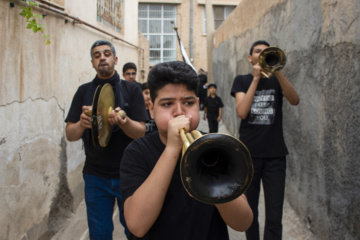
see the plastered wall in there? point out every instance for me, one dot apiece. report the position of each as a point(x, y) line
point(321, 42)
point(41, 181)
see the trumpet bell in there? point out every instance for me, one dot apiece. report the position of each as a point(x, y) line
point(272, 59)
point(216, 168)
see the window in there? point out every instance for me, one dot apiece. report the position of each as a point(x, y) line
point(220, 13)
point(155, 23)
point(109, 13)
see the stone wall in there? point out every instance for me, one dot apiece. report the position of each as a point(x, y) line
point(321, 42)
point(40, 172)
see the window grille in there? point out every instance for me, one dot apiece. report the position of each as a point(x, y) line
point(155, 24)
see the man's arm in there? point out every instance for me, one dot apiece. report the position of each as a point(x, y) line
point(237, 213)
point(244, 101)
point(134, 129)
point(74, 131)
point(288, 90)
point(143, 208)
point(205, 111)
point(219, 117)
point(131, 128)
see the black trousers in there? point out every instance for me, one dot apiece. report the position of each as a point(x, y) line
point(272, 173)
point(213, 125)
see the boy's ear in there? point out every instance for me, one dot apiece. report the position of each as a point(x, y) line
point(250, 58)
point(151, 109)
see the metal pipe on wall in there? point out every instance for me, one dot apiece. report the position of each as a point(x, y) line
point(53, 8)
point(209, 36)
point(191, 29)
point(77, 20)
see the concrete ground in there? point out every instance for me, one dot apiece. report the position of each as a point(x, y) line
point(293, 227)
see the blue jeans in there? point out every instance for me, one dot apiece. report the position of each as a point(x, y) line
point(100, 195)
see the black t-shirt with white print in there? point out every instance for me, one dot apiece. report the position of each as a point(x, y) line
point(262, 131)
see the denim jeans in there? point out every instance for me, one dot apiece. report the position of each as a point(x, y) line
point(100, 195)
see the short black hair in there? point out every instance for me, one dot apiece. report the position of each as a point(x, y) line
point(100, 43)
point(144, 86)
point(129, 65)
point(175, 72)
point(212, 85)
point(260, 42)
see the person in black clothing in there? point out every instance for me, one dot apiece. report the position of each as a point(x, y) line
point(259, 105)
point(150, 124)
point(156, 205)
point(202, 87)
point(129, 73)
point(101, 170)
point(213, 109)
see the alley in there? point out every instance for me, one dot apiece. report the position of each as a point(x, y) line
point(293, 228)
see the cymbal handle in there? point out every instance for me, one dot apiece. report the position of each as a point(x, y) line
point(120, 113)
point(88, 112)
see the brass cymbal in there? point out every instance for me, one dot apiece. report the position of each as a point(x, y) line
point(94, 123)
point(105, 105)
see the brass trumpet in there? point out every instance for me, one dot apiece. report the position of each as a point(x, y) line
point(271, 60)
point(214, 168)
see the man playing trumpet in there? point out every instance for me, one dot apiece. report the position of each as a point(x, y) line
point(259, 105)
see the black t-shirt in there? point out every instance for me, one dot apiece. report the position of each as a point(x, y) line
point(202, 81)
point(139, 84)
point(262, 131)
point(150, 124)
point(181, 217)
point(212, 105)
point(105, 162)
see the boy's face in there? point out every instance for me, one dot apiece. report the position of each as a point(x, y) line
point(212, 90)
point(146, 94)
point(130, 75)
point(254, 58)
point(174, 100)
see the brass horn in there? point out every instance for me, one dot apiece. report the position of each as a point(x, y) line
point(271, 60)
point(214, 168)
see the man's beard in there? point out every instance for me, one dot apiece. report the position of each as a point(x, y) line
point(105, 72)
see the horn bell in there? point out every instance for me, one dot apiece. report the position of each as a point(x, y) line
point(216, 168)
point(272, 59)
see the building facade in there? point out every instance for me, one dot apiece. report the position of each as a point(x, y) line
point(157, 20)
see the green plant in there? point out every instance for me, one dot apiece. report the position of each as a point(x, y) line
point(28, 13)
